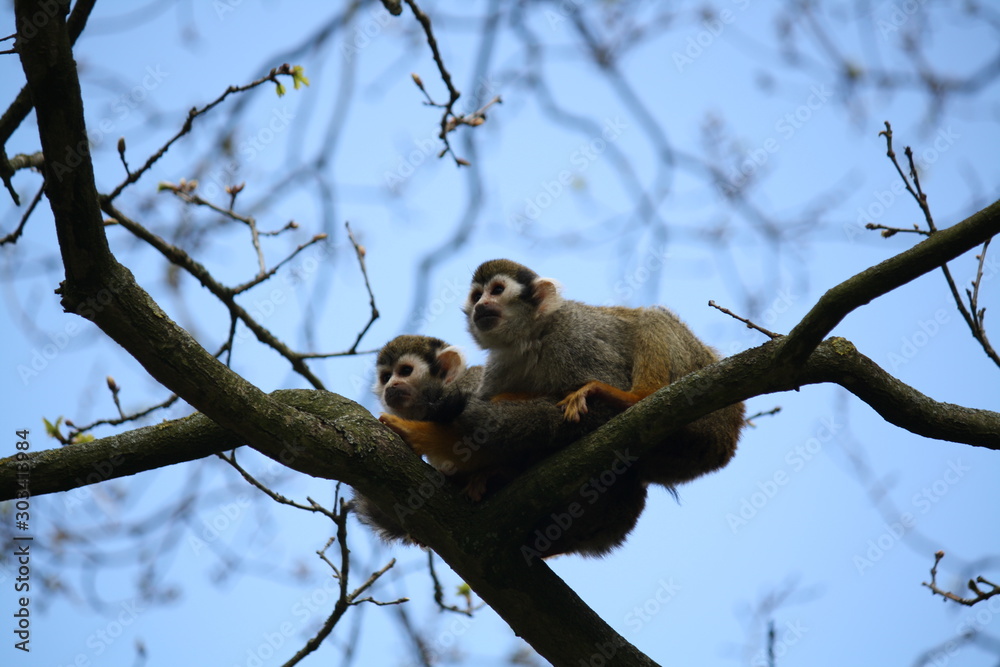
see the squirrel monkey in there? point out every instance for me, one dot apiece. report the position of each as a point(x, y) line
point(424, 379)
point(431, 401)
point(429, 393)
point(541, 344)
point(417, 378)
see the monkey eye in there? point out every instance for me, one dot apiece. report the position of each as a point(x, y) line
point(475, 295)
point(384, 376)
point(497, 289)
point(406, 370)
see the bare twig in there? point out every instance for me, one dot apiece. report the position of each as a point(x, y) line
point(346, 599)
point(284, 70)
point(449, 119)
point(360, 251)
point(185, 192)
point(239, 289)
point(974, 586)
point(892, 231)
point(973, 320)
point(123, 418)
point(274, 495)
point(750, 325)
point(226, 295)
point(978, 314)
point(114, 388)
point(439, 592)
point(763, 413)
point(14, 235)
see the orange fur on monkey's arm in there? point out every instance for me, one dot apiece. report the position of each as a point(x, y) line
point(575, 403)
point(440, 443)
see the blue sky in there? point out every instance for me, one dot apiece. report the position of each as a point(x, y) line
point(789, 518)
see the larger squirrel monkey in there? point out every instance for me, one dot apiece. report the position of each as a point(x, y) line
point(541, 344)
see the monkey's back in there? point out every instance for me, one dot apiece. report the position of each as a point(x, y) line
point(573, 345)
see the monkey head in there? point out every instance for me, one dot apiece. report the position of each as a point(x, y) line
point(507, 303)
point(412, 372)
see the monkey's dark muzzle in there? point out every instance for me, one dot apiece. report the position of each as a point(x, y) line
point(486, 317)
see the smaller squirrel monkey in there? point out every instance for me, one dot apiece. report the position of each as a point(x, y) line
point(431, 401)
point(427, 390)
point(417, 378)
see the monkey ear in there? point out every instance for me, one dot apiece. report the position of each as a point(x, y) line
point(452, 361)
point(547, 295)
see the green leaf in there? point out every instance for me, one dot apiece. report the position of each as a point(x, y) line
point(299, 77)
point(52, 429)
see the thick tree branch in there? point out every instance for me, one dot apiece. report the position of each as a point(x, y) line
point(755, 372)
point(168, 443)
point(21, 106)
point(838, 361)
point(882, 278)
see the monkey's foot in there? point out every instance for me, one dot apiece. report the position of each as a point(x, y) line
point(475, 489)
point(575, 404)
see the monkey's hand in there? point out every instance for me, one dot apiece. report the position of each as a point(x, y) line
point(442, 444)
point(575, 403)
